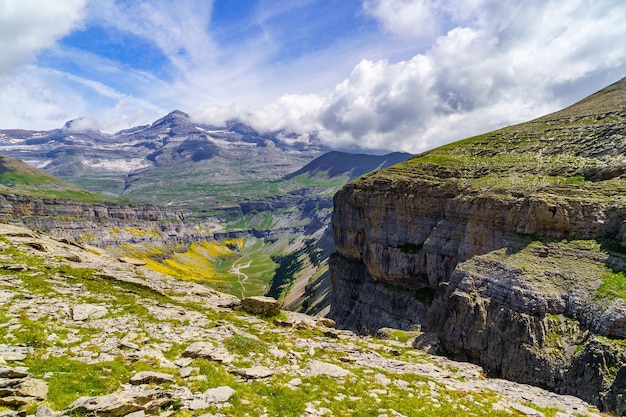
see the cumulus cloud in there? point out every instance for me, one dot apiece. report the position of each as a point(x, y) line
point(293, 112)
point(498, 64)
point(27, 26)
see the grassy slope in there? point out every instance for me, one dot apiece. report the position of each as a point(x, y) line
point(565, 153)
point(16, 177)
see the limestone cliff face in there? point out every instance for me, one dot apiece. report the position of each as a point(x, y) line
point(99, 224)
point(508, 247)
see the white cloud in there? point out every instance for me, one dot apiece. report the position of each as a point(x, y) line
point(406, 18)
point(27, 26)
point(81, 125)
point(30, 100)
point(179, 30)
point(500, 64)
point(296, 113)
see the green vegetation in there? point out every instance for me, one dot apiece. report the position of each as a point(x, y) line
point(71, 379)
point(244, 345)
point(613, 286)
point(19, 178)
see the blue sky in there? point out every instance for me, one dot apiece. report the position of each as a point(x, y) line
point(365, 75)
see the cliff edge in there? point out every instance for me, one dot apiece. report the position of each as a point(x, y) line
point(506, 249)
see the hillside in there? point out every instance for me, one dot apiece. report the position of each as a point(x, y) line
point(507, 248)
point(17, 177)
point(335, 164)
point(87, 334)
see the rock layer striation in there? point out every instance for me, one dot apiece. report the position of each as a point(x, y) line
point(507, 249)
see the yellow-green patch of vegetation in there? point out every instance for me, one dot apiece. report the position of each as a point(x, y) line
point(142, 232)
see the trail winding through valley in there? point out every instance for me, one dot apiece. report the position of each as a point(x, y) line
point(236, 270)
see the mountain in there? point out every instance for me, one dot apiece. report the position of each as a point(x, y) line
point(507, 249)
point(204, 186)
point(84, 333)
point(168, 161)
point(335, 164)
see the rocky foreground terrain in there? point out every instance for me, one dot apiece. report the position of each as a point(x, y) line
point(508, 249)
point(82, 333)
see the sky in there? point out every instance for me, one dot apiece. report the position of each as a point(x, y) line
point(359, 75)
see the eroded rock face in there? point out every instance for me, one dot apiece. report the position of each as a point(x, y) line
point(502, 257)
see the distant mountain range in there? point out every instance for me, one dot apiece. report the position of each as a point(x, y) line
point(228, 181)
point(171, 153)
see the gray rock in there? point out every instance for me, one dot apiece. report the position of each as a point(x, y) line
point(197, 404)
point(149, 377)
point(294, 383)
point(84, 312)
point(119, 404)
point(44, 411)
point(186, 371)
point(19, 388)
point(183, 362)
point(17, 372)
point(263, 306)
point(206, 350)
point(256, 372)
point(32, 387)
point(15, 353)
point(140, 413)
point(219, 394)
point(315, 368)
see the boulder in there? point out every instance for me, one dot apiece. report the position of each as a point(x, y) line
point(19, 388)
point(219, 394)
point(82, 312)
point(119, 404)
point(315, 368)
point(260, 305)
point(256, 372)
point(149, 377)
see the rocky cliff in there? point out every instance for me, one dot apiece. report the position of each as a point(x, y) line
point(103, 224)
point(507, 249)
point(86, 334)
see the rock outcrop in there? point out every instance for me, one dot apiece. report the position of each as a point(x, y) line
point(506, 248)
point(166, 347)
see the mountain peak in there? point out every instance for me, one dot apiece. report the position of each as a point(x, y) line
point(81, 125)
point(176, 116)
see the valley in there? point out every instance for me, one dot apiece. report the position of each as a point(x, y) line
point(216, 184)
point(505, 250)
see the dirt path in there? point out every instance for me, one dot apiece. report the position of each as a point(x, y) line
point(236, 270)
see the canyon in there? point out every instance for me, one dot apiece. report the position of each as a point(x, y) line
point(505, 249)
